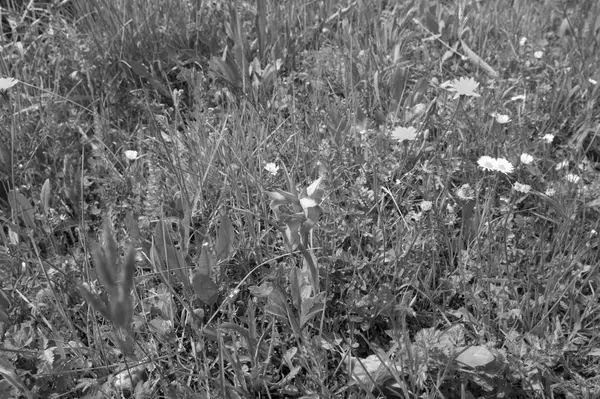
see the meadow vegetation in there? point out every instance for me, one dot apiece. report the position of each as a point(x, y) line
point(300, 199)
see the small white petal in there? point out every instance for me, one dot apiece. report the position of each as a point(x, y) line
point(526, 159)
point(131, 155)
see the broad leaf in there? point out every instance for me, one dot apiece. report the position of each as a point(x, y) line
point(22, 206)
point(206, 290)
point(168, 253)
point(224, 245)
point(311, 307)
point(206, 262)
point(277, 305)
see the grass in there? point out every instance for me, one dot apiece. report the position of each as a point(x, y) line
point(300, 199)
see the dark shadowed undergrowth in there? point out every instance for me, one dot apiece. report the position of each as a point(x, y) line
point(291, 199)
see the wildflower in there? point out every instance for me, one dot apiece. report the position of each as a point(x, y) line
point(538, 54)
point(272, 168)
point(571, 178)
point(426, 206)
point(522, 41)
point(561, 165)
point(487, 163)
point(502, 165)
point(495, 164)
point(462, 87)
point(548, 138)
point(404, 133)
point(522, 188)
point(131, 155)
point(500, 118)
point(465, 192)
point(550, 192)
point(7, 83)
point(526, 159)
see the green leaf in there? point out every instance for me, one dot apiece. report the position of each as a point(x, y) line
point(224, 246)
point(311, 263)
point(206, 290)
point(110, 244)
point(311, 307)
point(261, 29)
point(22, 206)
point(292, 238)
point(10, 375)
point(226, 70)
point(106, 272)
point(206, 262)
point(398, 84)
point(128, 270)
point(280, 197)
point(121, 309)
point(168, 253)
point(277, 305)
point(45, 196)
point(295, 279)
point(95, 301)
point(4, 300)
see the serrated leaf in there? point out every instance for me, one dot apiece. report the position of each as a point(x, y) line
point(206, 290)
point(22, 206)
point(45, 196)
point(224, 245)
